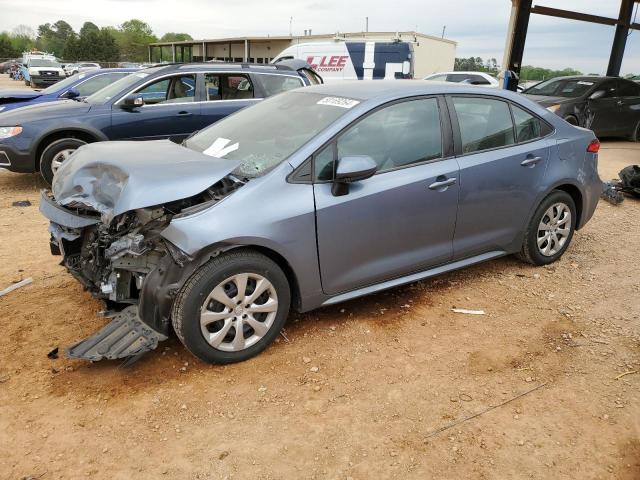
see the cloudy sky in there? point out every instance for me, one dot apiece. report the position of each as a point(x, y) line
point(479, 26)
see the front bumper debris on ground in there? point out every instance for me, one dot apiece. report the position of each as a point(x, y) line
point(125, 336)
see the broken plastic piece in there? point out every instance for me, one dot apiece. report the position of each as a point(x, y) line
point(15, 286)
point(468, 312)
point(125, 336)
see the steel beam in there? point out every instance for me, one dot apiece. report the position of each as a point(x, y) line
point(620, 37)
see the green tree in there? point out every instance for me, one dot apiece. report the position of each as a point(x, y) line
point(53, 38)
point(132, 37)
point(175, 37)
point(22, 39)
point(528, 72)
point(6, 47)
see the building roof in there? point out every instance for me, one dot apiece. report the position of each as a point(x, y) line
point(337, 36)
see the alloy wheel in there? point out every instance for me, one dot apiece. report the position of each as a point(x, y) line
point(60, 157)
point(238, 312)
point(554, 229)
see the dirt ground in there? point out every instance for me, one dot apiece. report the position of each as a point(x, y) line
point(354, 391)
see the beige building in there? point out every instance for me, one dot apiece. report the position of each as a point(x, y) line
point(432, 54)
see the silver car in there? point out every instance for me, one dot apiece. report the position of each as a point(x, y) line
point(310, 198)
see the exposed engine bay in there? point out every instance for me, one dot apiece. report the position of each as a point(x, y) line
point(113, 260)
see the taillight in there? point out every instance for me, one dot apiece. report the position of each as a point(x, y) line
point(594, 146)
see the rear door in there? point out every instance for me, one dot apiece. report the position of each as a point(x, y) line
point(604, 111)
point(628, 102)
point(223, 94)
point(402, 219)
point(171, 109)
point(502, 168)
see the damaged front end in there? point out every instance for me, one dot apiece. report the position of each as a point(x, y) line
point(110, 239)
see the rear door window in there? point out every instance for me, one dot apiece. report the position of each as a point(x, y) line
point(273, 84)
point(528, 127)
point(485, 123)
point(224, 86)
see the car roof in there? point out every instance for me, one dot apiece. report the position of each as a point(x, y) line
point(591, 78)
point(370, 90)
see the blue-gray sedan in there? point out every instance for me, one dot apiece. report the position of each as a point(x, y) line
point(312, 197)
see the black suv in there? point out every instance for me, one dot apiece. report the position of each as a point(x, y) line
point(158, 102)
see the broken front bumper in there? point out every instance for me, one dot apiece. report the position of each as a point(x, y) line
point(125, 336)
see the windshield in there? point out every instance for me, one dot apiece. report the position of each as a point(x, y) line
point(561, 87)
point(116, 88)
point(266, 134)
point(62, 84)
point(43, 63)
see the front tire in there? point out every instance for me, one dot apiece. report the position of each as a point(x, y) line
point(55, 154)
point(550, 229)
point(232, 308)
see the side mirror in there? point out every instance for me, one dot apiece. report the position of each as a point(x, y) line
point(132, 101)
point(597, 94)
point(70, 94)
point(352, 169)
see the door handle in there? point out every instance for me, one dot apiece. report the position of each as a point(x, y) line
point(184, 114)
point(441, 185)
point(530, 162)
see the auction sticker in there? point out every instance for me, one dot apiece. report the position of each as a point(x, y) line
point(338, 102)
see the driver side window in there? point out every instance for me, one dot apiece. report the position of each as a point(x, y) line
point(396, 136)
point(176, 89)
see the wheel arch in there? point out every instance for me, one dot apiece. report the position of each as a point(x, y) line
point(268, 252)
point(577, 197)
point(83, 134)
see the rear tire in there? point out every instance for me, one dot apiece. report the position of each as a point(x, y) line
point(550, 229)
point(635, 135)
point(240, 288)
point(570, 119)
point(56, 153)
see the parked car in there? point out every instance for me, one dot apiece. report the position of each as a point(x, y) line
point(40, 68)
point(354, 60)
point(77, 87)
point(610, 106)
point(310, 198)
point(471, 78)
point(161, 102)
point(73, 68)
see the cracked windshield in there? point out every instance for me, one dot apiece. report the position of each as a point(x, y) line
point(260, 144)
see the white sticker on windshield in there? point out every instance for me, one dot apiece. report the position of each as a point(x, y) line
point(582, 82)
point(142, 75)
point(219, 148)
point(82, 75)
point(338, 102)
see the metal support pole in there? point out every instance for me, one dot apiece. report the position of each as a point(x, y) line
point(246, 50)
point(620, 37)
point(516, 37)
point(173, 52)
point(204, 52)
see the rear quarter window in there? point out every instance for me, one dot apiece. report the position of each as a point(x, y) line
point(274, 84)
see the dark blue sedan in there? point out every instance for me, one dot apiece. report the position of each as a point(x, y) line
point(170, 101)
point(77, 86)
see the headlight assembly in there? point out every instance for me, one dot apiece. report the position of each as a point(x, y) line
point(6, 132)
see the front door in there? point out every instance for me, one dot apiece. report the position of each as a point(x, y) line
point(170, 109)
point(402, 219)
point(502, 166)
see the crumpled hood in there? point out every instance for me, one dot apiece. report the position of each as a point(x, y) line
point(546, 101)
point(116, 177)
point(12, 95)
